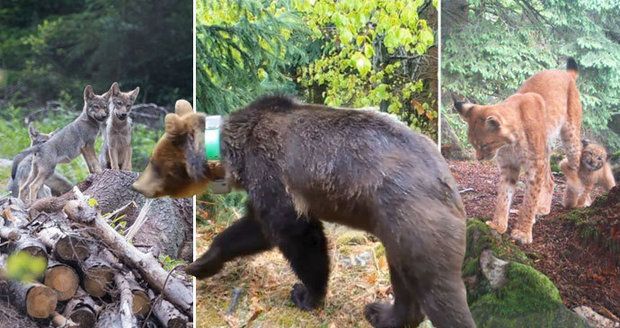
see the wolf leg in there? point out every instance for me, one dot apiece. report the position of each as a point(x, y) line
point(244, 237)
point(113, 157)
point(126, 162)
point(43, 172)
point(91, 159)
point(24, 189)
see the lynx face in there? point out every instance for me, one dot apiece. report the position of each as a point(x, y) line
point(121, 102)
point(485, 130)
point(96, 105)
point(593, 157)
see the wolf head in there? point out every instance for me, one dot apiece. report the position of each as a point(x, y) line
point(36, 137)
point(96, 106)
point(178, 166)
point(121, 102)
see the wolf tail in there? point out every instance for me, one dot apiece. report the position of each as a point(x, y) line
point(572, 67)
point(20, 157)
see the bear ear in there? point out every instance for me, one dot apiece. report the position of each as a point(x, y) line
point(174, 126)
point(492, 123)
point(89, 93)
point(195, 155)
point(183, 107)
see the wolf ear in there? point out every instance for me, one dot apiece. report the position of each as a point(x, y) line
point(114, 89)
point(133, 95)
point(32, 131)
point(89, 93)
point(183, 107)
point(492, 123)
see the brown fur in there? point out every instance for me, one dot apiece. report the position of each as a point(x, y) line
point(167, 172)
point(594, 170)
point(517, 132)
point(301, 164)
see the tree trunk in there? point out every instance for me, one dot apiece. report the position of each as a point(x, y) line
point(167, 314)
point(65, 245)
point(97, 276)
point(125, 303)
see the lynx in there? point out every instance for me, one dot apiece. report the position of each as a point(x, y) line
point(517, 132)
point(593, 170)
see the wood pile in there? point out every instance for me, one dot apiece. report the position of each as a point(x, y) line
point(94, 276)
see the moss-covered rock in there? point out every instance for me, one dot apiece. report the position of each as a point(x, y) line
point(528, 299)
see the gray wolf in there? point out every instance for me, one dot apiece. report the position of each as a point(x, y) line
point(116, 151)
point(68, 143)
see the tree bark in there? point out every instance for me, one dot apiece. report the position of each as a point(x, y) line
point(125, 303)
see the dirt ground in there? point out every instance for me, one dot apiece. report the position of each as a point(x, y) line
point(584, 273)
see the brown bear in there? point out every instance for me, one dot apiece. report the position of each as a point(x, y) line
point(302, 163)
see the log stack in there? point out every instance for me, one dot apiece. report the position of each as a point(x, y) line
point(94, 277)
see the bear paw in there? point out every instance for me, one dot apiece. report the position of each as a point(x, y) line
point(302, 298)
point(521, 237)
point(381, 315)
point(202, 270)
point(500, 228)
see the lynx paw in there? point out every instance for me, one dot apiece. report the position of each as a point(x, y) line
point(497, 227)
point(521, 237)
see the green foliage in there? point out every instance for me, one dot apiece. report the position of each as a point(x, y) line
point(371, 51)
point(494, 46)
point(22, 266)
point(169, 263)
point(346, 53)
point(51, 47)
point(244, 48)
point(222, 208)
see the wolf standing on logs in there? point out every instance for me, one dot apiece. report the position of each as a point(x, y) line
point(65, 145)
point(301, 163)
point(116, 151)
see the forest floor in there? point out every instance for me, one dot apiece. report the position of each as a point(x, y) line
point(359, 275)
point(584, 273)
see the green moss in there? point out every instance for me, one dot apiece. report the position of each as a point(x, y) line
point(352, 237)
point(555, 162)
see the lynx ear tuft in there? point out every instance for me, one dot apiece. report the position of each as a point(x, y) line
point(585, 143)
point(183, 107)
point(32, 131)
point(88, 92)
point(462, 107)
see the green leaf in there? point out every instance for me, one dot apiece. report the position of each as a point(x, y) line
point(362, 63)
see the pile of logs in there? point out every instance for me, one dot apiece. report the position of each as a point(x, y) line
point(94, 276)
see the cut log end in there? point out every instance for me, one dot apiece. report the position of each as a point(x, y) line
point(84, 316)
point(98, 280)
point(141, 303)
point(63, 279)
point(71, 248)
point(177, 323)
point(41, 301)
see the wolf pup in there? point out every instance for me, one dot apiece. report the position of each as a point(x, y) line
point(116, 151)
point(518, 133)
point(304, 163)
point(23, 161)
point(68, 143)
point(594, 170)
